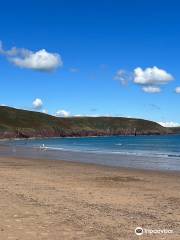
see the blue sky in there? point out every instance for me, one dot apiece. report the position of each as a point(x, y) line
point(92, 50)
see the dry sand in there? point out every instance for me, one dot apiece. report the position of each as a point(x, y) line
point(54, 200)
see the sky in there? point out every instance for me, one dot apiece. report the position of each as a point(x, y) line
point(92, 58)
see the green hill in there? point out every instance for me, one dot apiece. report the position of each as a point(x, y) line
point(174, 130)
point(22, 123)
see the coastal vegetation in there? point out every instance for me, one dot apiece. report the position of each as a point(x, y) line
point(18, 123)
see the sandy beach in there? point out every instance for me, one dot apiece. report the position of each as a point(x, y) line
point(89, 120)
point(52, 199)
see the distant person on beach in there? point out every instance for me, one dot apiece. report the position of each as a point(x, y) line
point(43, 147)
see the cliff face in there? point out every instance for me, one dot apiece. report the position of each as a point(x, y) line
point(25, 124)
point(23, 133)
point(174, 130)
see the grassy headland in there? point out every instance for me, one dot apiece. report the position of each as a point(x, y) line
point(23, 123)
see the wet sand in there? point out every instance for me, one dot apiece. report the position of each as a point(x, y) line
point(100, 158)
point(54, 200)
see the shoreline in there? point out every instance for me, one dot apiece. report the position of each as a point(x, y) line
point(155, 163)
point(90, 136)
point(54, 199)
point(95, 165)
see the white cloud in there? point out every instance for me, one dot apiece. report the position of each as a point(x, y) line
point(45, 111)
point(122, 76)
point(62, 113)
point(151, 89)
point(39, 61)
point(92, 115)
point(151, 76)
point(14, 51)
point(177, 90)
point(169, 124)
point(37, 103)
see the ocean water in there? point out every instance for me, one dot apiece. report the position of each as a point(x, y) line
point(142, 152)
point(167, 146)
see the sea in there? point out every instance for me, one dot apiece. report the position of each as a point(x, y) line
point(159, 152)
